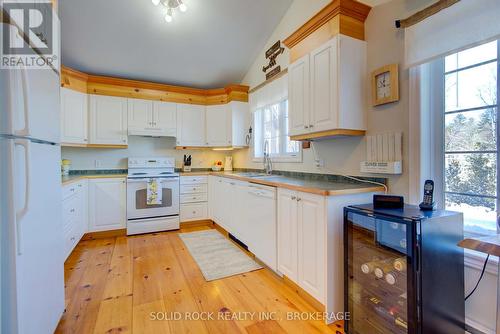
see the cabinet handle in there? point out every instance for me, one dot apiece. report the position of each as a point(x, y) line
point(124, 141)
point(294, 198)
point(194, 212)
point(72, 238)
point(85, 139)
point(72, 210)
point(306, 126)
point(72, 189)
point(311, 126)
point(194, 189)
point(299, 199)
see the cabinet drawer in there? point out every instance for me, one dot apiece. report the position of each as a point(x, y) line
point(193, 188)
point(193, 198)
point(71, 208)
point(198, 211)
point(201, 179)
point(72, 189)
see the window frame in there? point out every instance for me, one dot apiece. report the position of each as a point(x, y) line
point(437, 132)
point(294, 158)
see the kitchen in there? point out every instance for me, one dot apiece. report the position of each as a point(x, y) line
point(214, 183)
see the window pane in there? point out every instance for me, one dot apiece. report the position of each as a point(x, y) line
point(471, 131)
point(472, 88)
point(479, 213)
point(473, 173)
point(471, 57)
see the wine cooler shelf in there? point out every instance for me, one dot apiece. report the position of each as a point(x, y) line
point(395, 282)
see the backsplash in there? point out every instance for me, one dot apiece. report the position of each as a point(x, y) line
point(104, 159)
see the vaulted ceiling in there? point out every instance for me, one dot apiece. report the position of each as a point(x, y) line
point(212, 44)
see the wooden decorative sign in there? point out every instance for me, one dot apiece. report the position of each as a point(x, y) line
point(274, 71)
point(272, 54)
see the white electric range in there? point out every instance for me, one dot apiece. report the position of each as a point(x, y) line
point(144, 218)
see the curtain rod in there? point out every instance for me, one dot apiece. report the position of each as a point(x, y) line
point(425, 13)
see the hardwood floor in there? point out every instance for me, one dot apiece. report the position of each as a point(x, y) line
point(129, 284)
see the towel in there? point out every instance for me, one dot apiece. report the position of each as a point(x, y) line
point(154, 192)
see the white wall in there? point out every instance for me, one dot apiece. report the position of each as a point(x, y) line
point(343, 155)
point(84, 158)
point(385, 46)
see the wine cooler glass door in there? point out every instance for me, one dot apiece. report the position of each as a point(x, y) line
point(377, 285)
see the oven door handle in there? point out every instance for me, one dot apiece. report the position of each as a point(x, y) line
point(162, 180)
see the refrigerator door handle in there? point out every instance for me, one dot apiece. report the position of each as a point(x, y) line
point(21, 213)
point(25, 132)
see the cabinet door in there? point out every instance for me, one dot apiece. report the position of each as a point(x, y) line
point(140, 114)
point(218, 125)
point(108, 120)
point(74, 117)
point(240, 122)
point(287, 234)
point(324, 92)
point(312, 244)
point(107, 204)
point(165, 118)
point(298, 97)
point(216, 200)
point(191, 125)
point(227, 205)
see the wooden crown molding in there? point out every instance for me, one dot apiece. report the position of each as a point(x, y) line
point(104, 85)
point(350, 8)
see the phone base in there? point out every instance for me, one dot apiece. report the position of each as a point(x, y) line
point(427, 207)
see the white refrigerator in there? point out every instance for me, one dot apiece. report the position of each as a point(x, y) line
point(31, 237)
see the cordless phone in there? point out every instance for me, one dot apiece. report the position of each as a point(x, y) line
point(428, 202)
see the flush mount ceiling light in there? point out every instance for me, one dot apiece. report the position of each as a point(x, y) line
point(170, 5)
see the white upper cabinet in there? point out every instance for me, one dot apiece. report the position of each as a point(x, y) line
point(151, 118)
point(240, 122)
point(227, 124)
point(191, 125)
point(74, 117)
point(219, 125)
point(140, 115)
point(298, 96)
point(327, 88)
point(324, 109)
point(108, 120)
point(165, 118)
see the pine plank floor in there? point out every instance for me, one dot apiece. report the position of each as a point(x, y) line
point(113, 285)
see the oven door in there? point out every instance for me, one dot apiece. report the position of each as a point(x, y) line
point(137, 206)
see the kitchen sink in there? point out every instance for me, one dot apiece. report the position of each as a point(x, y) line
point(250, 174)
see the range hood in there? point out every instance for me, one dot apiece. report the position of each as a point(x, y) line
point(155, 133)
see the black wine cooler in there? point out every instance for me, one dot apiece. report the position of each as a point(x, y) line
point(404, 272)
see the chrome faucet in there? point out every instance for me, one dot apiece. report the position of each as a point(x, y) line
point(268, 165)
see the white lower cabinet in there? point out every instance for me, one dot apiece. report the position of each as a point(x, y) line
point(302, 230)
point(194, 198)
point(75, 217)
point(248, 212)
point(287, 234)
point(107, 204)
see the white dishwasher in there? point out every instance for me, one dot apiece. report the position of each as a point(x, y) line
point(261, 224)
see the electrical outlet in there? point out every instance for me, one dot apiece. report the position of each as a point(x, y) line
point(320, 163)
point(98, 163)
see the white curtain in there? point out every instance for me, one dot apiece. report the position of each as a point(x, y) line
point(463, 25)
point(273, 92)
